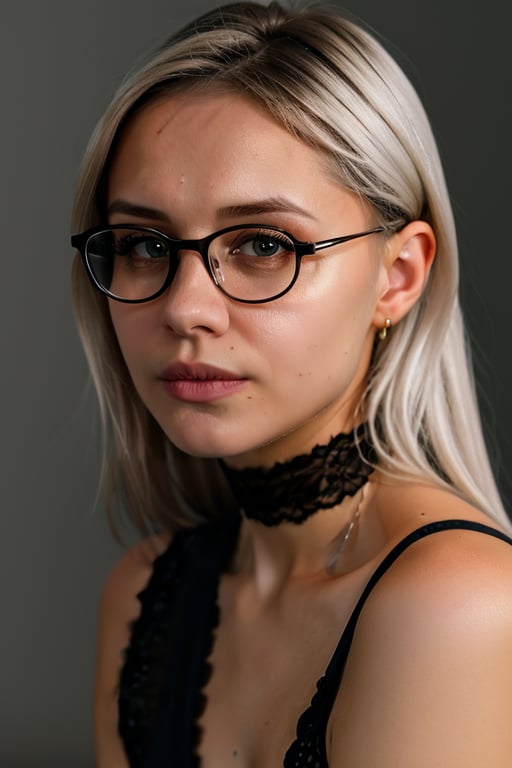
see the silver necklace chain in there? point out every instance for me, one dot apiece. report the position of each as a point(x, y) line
point(346, 534)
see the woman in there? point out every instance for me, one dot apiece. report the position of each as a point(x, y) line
point(267, 294)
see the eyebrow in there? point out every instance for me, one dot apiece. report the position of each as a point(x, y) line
point(268, 205)
point(140, 211)
point(259, 207)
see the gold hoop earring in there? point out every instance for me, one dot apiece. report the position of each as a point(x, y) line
point(384, 330)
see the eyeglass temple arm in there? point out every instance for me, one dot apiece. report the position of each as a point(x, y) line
point(319, 246)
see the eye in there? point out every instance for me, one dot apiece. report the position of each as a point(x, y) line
point(263, 244)
point(155, 248)
point(141, 246)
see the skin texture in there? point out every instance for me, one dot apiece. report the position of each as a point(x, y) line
point(305, 356)
point(429, 678)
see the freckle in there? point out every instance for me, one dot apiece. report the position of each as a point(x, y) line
point(249, 397)
point(231, 348)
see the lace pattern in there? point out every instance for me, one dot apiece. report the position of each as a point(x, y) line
point(167, 664)
point(141, 675)
point(294, 490)
point(308, 749)
point(142, 689)
point(153, 642)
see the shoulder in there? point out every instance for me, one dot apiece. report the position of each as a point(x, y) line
point(444, 561)
point(132, 571)
point(432, 654)
point(449, 579)
point(119, 608)
point(456, 574)
point(119, 603)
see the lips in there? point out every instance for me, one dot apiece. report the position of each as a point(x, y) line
point(199, 382)
point(197, 372)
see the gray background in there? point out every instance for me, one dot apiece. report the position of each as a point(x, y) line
point(60, 62)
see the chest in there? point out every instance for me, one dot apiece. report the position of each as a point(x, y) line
point(264, 668)
point(210, 675)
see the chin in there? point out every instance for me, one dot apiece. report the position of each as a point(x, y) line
point(195, 442)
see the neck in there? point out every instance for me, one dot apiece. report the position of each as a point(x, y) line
point(316, 551)
point(302, 515)
point(294, 490)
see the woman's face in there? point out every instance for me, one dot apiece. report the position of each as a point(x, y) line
point(251, 383)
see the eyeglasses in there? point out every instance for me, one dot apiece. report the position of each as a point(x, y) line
point(249, 263)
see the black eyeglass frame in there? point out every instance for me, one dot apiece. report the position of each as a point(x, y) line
point(201, 246)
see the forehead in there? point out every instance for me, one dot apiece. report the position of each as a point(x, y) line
point(206, 124)
point(215, 150)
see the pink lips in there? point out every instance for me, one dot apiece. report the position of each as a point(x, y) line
point(200, 383)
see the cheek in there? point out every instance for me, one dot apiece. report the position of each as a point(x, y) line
point(336, 309)
point(133, 330)
point(322, 332)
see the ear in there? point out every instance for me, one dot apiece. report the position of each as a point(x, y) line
point(406, 266)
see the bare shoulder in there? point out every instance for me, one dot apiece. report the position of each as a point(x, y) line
point(130, 574)
point(450, 581)
point(461, 576)
point(119, 604)
point(119, 607)
point(453, 582)
point(430, 670)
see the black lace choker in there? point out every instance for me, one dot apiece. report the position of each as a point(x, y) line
point(294, 490)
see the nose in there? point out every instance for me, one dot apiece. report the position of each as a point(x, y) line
point(193, 303)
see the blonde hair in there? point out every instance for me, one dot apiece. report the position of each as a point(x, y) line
point(331, 84)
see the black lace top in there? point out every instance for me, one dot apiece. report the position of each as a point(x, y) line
point(166, 667)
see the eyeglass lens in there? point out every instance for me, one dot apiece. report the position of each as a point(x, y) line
point(251, 264)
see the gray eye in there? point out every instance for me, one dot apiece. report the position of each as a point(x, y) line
point(152, 247)
point(142, 247)
point(264, 245)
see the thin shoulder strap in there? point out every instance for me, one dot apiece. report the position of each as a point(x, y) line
point(312, 724)
point(336, 666)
